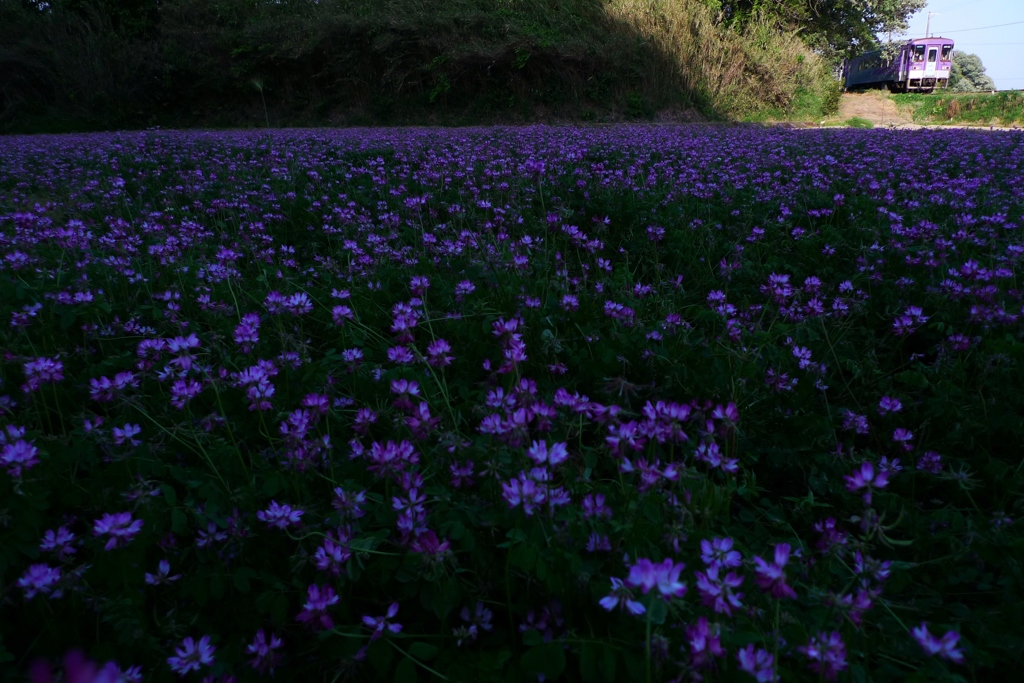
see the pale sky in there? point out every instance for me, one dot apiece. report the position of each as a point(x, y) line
point(1001, 49)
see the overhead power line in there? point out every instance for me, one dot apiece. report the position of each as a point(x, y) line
point(980, 28)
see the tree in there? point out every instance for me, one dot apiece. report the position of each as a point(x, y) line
point(835, 27)
point(133, 18)
point(968, 74)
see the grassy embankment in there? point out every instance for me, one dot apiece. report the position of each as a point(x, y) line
point(982, 109)
point(449, 62)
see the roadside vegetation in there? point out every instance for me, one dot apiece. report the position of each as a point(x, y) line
point(983, 109)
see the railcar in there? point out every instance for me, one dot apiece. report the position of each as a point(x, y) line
point(919, 65)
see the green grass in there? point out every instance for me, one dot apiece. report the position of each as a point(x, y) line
point(858, 122)
point(983, 109)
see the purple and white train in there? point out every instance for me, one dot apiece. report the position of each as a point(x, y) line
point(920, 65)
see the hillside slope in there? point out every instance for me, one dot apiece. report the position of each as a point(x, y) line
point(240, 62)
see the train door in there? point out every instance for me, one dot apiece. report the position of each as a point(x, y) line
point(933, 58)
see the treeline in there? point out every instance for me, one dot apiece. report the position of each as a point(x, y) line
point(101, 64)
point(969, 74)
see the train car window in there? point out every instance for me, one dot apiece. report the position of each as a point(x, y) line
point(932, 54)
point(946, 49)
point(919, 53)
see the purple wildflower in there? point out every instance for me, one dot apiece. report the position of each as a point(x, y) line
point(827, 654)
point(191, 656)
point(758, 663)
point(480, 619)
point(598, 543)
point(127, 434)
point(162, 576)
point(119, 526)
point(888, 404)
point(59, 542)
point(594, 506)
point(42, 371)
point(17, 455)
point(645, 575)
point(771, 576)
point(247, 333)
point(280, 516)
point(717, 592)
point(523, 491)
point(705, 642)
point(315, 607)
point(332, 555)
point(382, 623)
point(41, 579)
point(78, 669)
point(852, 422)
point(719, 552)
point(462, 475)
point(930, 462)
point(437, 354)
point(463, 289)
point(866, 477)
point(554, 455)
point(945, 647)
point(622, 598)
point(264, 659)
point(903, 437)
point(339, 314)
point(183, 391)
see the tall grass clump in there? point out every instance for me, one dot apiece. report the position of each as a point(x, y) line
point(763, 68)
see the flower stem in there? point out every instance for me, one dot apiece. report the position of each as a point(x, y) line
point(648, 645)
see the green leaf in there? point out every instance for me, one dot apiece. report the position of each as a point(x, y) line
point(608, 662)
point(271, 486)
point(496, 660)
point(516, 535)
point(532, 638)
point(179, 522)
point(405, 672)
point(588, 661)
point(547, 660)
point(67, 319)
point(169, 494)
point(241, 579)
point(279, 608)
point(524, 556)
point(541, 569)
point(634, 665)
point(5, 654)
point(653, 510)
point(424, 651)
point(380, 655)
point(912, 378)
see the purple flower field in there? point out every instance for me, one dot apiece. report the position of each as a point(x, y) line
point(513, 404)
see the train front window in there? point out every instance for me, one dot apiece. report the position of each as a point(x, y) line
point(946, 50)
point(919, 53)
point(932, 54)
